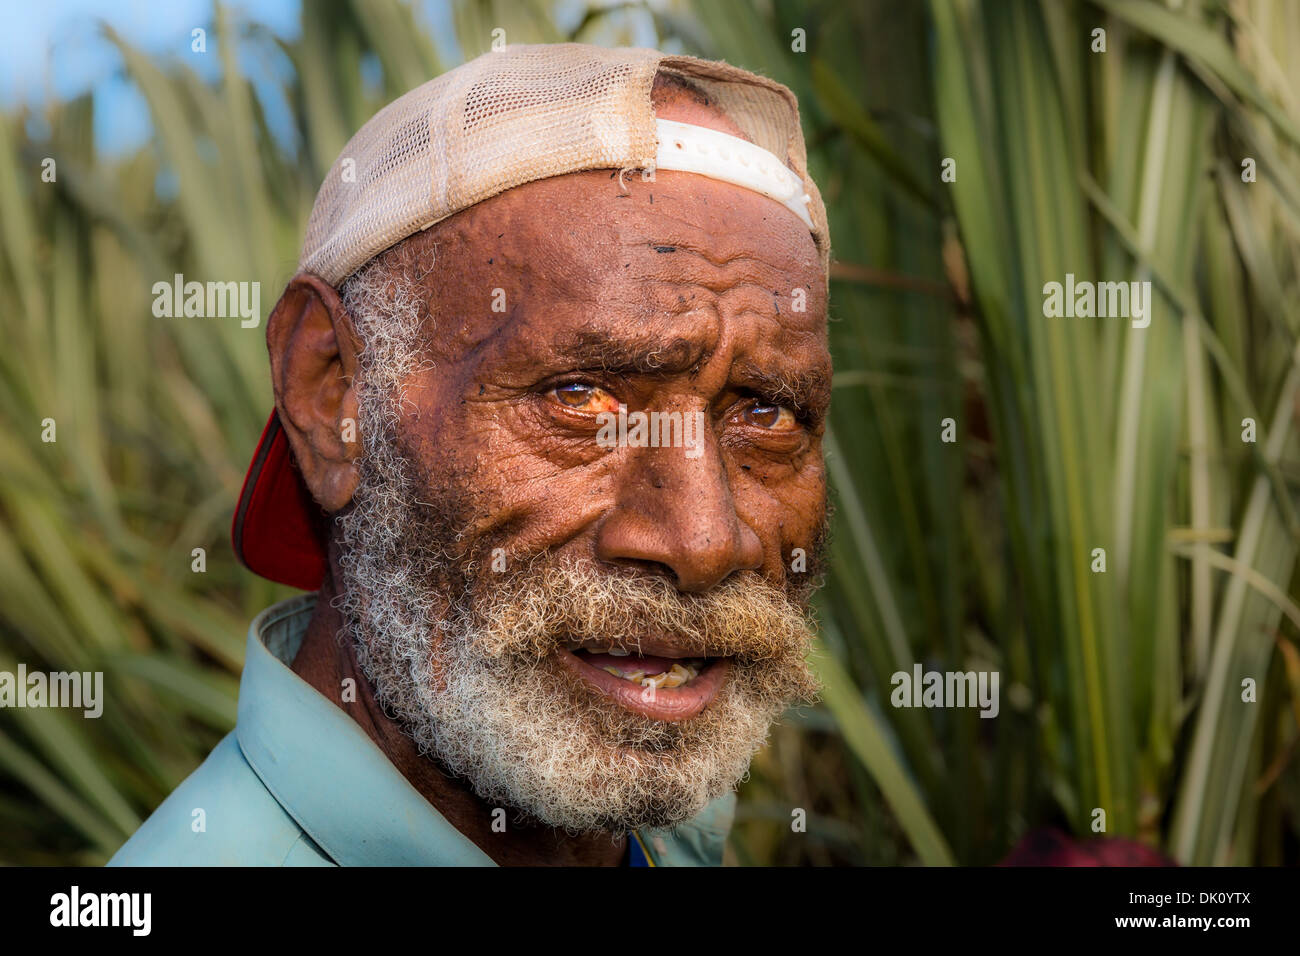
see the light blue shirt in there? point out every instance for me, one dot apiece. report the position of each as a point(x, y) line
point(299, 783)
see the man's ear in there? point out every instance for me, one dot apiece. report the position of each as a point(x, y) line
point(313, 350)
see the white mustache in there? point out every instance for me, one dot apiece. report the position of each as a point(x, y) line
point(537, 611)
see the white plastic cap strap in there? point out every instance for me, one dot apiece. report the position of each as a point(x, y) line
point(730, 159)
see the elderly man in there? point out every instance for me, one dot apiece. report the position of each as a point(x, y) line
point(550, 386)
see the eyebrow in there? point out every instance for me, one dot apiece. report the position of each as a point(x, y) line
point(808, 391)
point(641, 354)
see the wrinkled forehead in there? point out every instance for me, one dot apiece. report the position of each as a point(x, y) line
point(597, 238)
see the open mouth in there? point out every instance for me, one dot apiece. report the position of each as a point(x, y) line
point(655, 679)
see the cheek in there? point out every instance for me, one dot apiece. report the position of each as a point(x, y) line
point(530, 491)
point(785, 508)
point(540, 507)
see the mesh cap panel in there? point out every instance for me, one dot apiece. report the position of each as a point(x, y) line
point(514, 116)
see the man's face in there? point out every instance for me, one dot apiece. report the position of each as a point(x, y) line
point(598, 636)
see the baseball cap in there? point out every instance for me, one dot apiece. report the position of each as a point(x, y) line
point(507, 118)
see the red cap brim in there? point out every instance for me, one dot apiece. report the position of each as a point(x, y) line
point(279, 530)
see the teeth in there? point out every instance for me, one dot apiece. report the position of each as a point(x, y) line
point(682, 672)
point(679, 675)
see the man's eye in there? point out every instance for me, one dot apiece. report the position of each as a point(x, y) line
point(585, 398)
point(772, 417)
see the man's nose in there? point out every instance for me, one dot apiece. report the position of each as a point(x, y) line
point(677, 513)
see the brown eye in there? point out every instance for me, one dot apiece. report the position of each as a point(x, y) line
point(772, 417)
point(573, 395)
point(584, 398)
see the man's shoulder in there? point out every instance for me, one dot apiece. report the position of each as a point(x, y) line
point(221, 815)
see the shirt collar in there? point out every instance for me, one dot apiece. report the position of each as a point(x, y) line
point(322, 767)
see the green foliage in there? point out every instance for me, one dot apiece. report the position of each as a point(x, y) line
point(1120, 690)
